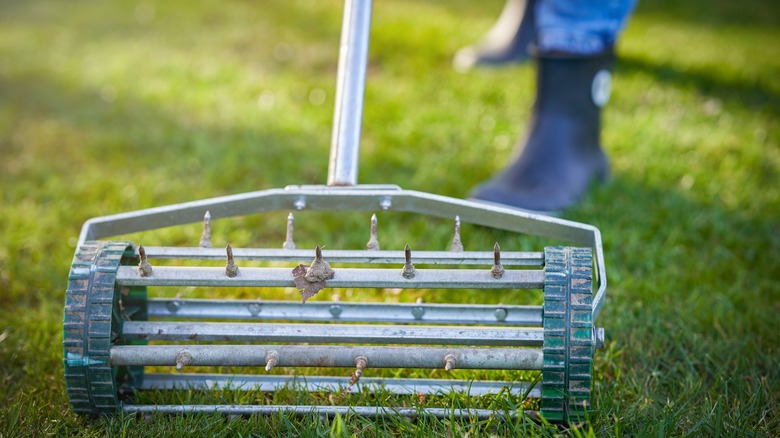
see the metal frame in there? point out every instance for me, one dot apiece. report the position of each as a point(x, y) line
point(103, 322)
point(342, 311)
point(386, 257)
point(358, 198)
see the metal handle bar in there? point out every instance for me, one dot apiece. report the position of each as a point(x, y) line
point(350, 89)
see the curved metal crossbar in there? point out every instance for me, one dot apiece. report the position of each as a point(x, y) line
point(357, 198)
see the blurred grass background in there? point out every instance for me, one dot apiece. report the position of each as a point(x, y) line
point(107, 107)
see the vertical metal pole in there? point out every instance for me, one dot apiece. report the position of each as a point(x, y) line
point(350, 89)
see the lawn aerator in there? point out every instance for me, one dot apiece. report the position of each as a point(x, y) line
point(113, 328)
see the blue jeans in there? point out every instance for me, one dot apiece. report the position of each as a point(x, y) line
point(580, 27)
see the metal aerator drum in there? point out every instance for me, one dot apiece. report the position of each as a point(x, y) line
point(114, 326)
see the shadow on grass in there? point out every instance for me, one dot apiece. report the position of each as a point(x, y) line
point(751, 13)
point(690, 312)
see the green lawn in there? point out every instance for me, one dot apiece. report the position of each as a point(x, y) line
point(108, 107)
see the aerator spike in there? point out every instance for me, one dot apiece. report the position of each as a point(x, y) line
point(183, 359)
point(205, 238)
point(373, 243)
point(319, 270)
point(449, 362)
point(498, 270)
point(288, 240)
point(144, 268)
point(310, 280)
point(231, 270)
point(361, 362)
point(409, 270)
point(271, 359)
point(457, 245)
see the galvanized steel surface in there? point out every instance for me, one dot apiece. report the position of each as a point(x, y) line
point(387, 257)
point(344, 278)
point(331, 333)
point(358, 198)
point(330, 356)
point(345, 311)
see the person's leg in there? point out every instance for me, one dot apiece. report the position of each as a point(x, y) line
point(578, 28)
point(506, 42)
point(561, 153)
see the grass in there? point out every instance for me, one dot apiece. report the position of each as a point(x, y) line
point(116, 106)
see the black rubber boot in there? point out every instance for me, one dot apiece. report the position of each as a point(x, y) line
point(506, 42)
point(561, 154)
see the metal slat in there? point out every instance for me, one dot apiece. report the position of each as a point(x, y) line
point(358, 198)
point(344, 278)
point(249, 382)
point(345, 311)
point(331, 333)
point(365, 411)
point(508, 258)
point(329, 356)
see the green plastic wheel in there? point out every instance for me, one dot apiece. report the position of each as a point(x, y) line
point(568, 333)
point(95, 311)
